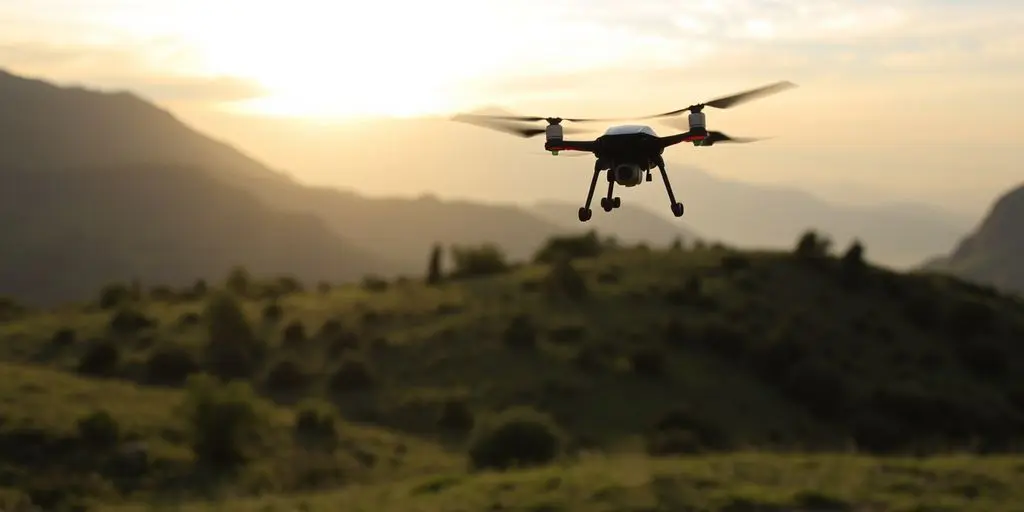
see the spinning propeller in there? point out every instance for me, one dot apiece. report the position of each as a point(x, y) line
point(516, 125)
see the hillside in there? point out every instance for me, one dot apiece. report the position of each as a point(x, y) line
point(991, 253)
point(68, 234)
point(634, 353)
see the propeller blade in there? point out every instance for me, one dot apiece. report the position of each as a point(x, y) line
point(717, 137)
point(745, 96)
point(734, 99)
point(507, 127)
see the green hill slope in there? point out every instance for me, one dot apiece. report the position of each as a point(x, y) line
point(634, 353)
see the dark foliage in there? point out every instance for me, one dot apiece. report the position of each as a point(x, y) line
point(518, 437)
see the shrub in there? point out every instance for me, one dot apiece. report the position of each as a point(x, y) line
point(114, 295)
point(239, 281)
point(563, 280)
point(352, 375)
point(517, 437)
point(316, 426)
point(189, 319)
point(232, 350)
point(63, 337)
point(852, 263)
point(129, 320)
point(170, 365)
point(812, 246)
point(286, 376)
point(330, 328)
point(272, 312)
point(703, 433)
point(558, 248)
point(294, 334)
point(456, 415)
point(101, 359)
point(323, 287)
point(486, 259)
point(374, 283)
point(520, 333)
point(225, 423)
point(99, 429)
point(663, 443)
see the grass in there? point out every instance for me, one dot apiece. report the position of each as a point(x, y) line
point(768, 365)
point(737, 482)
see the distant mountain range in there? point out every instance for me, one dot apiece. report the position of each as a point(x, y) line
point(102, 186)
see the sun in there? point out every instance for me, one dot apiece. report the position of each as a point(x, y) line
point(330, 60)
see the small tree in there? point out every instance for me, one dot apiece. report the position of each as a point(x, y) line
point(563, 280)
point(225, 423)
point(812, 245)
point(239, 281)
point(232, 350)
point(434, 267)
point(559, 248)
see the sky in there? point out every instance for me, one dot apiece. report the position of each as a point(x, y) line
point(930, 84)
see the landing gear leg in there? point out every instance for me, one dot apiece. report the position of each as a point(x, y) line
point(608, 203)
point(585, 213)
point(677, 208)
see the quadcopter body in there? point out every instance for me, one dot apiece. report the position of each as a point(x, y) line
point(629, 152)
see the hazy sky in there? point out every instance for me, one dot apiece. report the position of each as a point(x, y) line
point(942, 79)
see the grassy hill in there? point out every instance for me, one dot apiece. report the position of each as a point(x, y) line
point(613, 365)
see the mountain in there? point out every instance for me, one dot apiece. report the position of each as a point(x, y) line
point(464, 160)
point(67, 234)
point(629, 223)
point(895, 234)
point(66, 130)
point(991, 254)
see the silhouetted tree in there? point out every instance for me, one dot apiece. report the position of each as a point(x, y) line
point(477, 261)
point(556, 248)
point(232, 350)
point(434, 268)
point(812, 245)
point(239, 281)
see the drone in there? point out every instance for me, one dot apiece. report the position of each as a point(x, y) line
point(628, 152)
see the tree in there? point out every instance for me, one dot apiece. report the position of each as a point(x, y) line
point(434, 268)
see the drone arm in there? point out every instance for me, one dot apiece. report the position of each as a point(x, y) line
point(570, 145)
point(689, 136)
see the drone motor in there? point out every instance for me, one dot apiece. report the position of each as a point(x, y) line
point(553, 133)
point(697, 120)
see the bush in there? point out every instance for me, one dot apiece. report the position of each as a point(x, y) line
point(518, 437)
point(232, 350)
point(323, 287)
point(114, 295)
point(239, 281)
point(812, 246)
point(563, 280)
point(189, 319)
point(853, 264)
point(456, 415)
point(664, 443)
point(486, 259)
point(315, 426)
point(375, 284)
point(63, 337)
point(559, 248)
point(287, 376)
point(520, 333)
point(226, 423)
point(294, 334)
point(703, 433)
point(170, 365)
point(101, 359)
point(272, 312)
point(128, 320)
point(352, 375)
point(99, 429)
